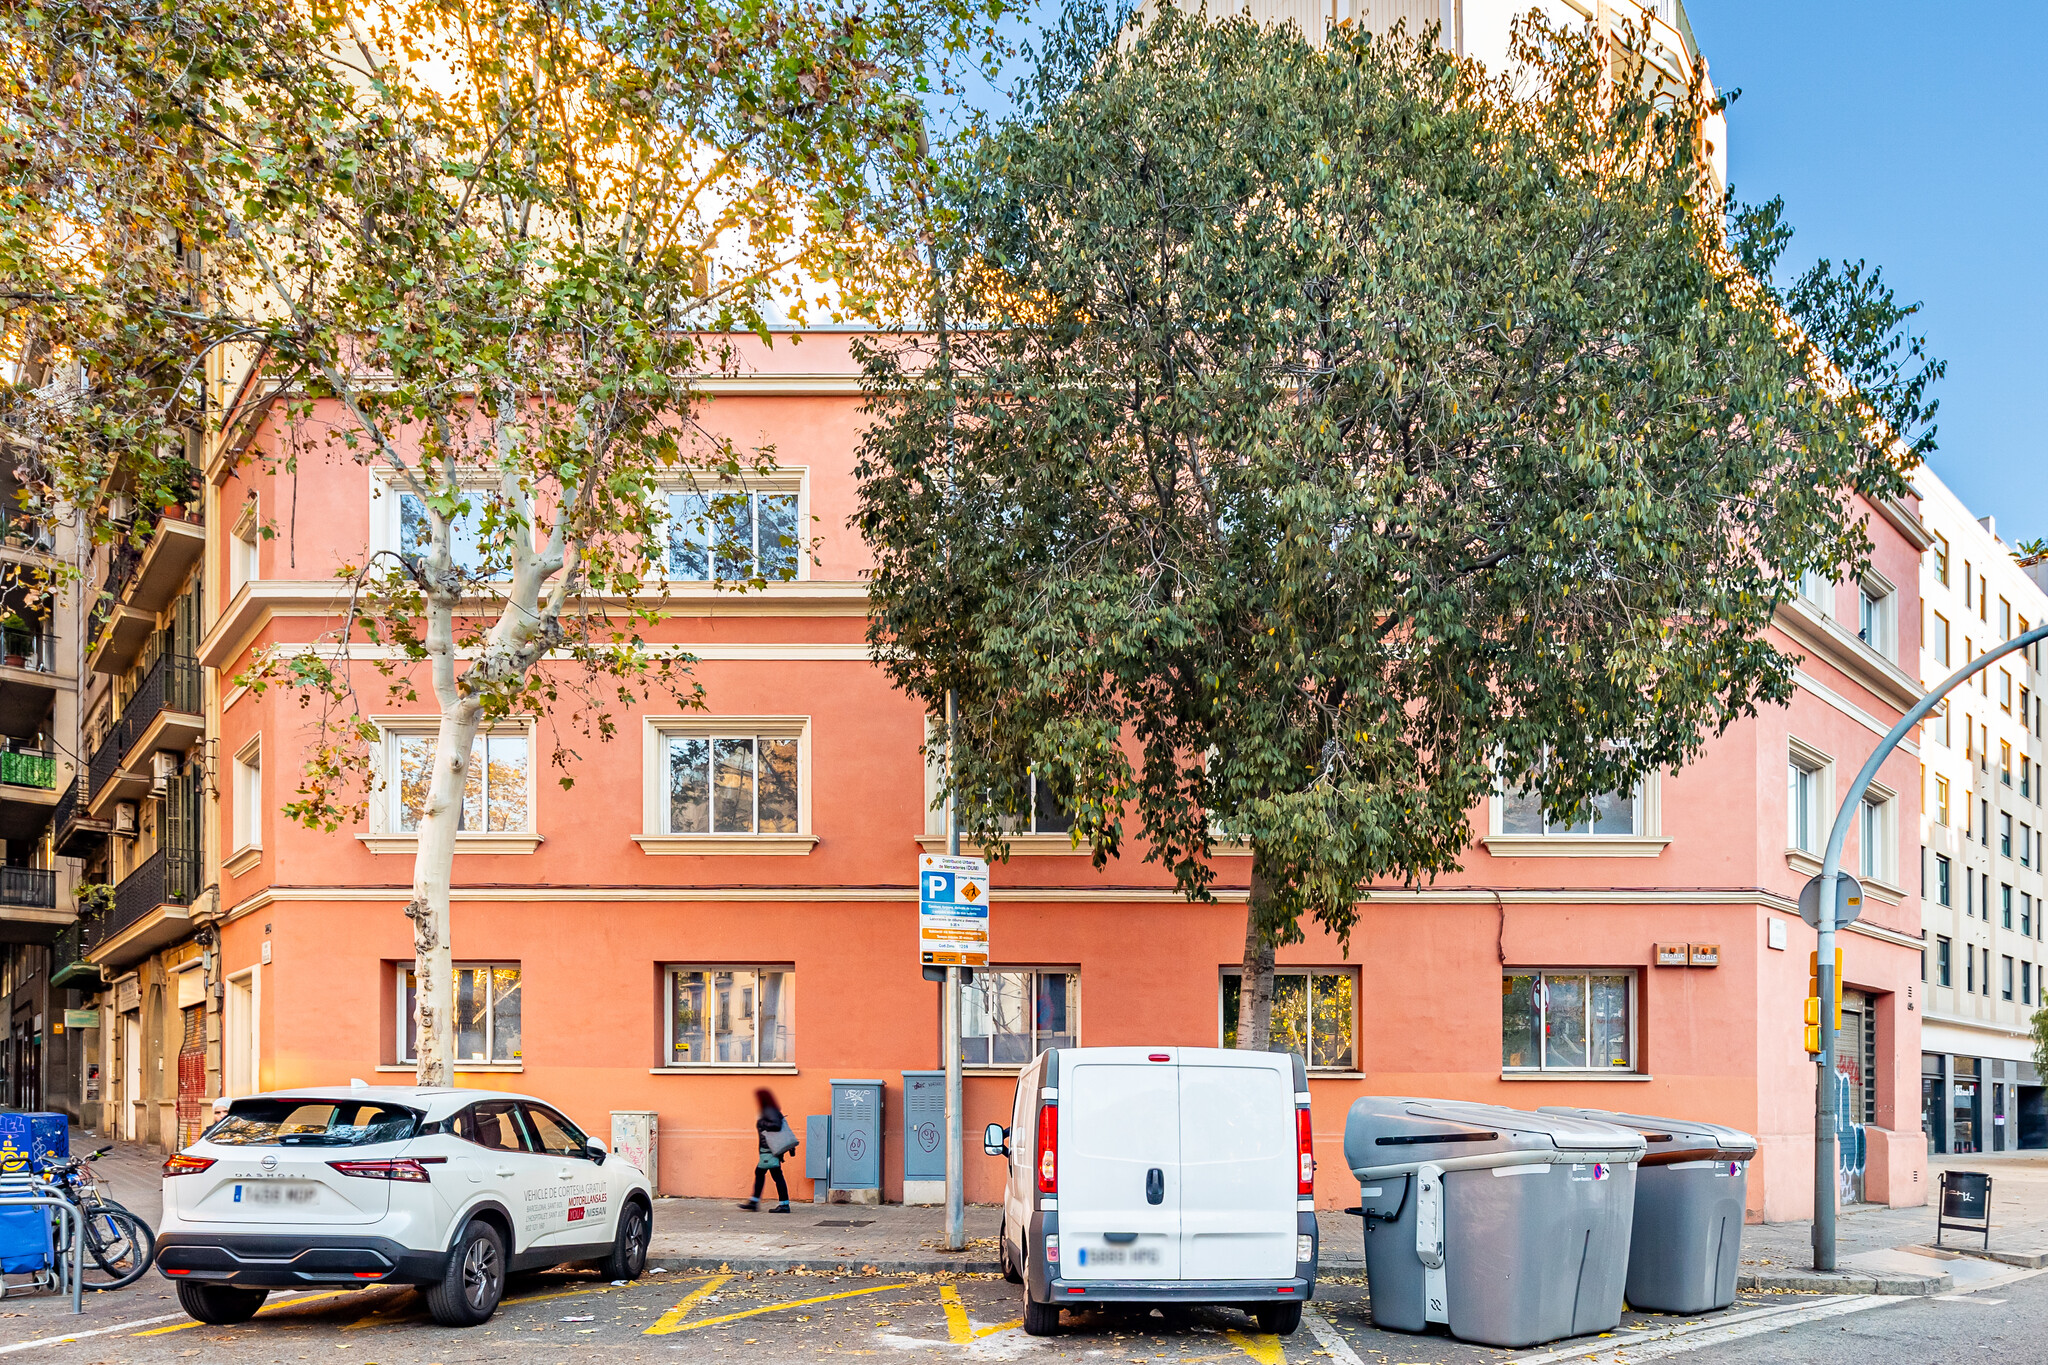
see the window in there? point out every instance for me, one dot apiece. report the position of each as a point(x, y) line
point(731, 1016)
point(1873, 830)
point(1874, 611)
point(1937, 639)
point(732, 535)
point(1970, 968)
point(496, 789)
point(2026, 983)
point(2004, 835)
point(2026, 776)
point(1610, 813)
point(554, 1134)
point(2026, 915)
point(2005, 691)
point(1983, 599)
point(1941, 962)
point(2005, 761)
point(486, 1013)
point(1802, 805)
point(1049, 812)
point(2005, 978)
point(1818, 591)
point(1313, 1014)
point(1984, 821)
point(242, 549)
point(2004, 619)
point(726, 783)
point(1010, 1015)
point(1567, 1021)
point(495, 1124)
point(1941, 879)
point(467, 543)
point(248, 798)
point(2026, 845)
point(1969, 576)
point(2004, 906)
point(1940, 800)
point(1941, 559)
point(1937, 725)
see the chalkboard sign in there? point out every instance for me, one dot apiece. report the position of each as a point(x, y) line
point(1965, 1204)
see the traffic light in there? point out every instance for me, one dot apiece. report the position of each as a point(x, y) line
point(1813, 998)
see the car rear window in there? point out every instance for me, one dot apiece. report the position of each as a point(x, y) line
point(312, 1123)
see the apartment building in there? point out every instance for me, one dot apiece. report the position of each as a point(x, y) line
point(1981, 871)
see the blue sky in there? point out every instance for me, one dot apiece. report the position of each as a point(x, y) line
point(1910, 134)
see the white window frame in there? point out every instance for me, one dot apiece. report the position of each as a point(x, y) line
point(239, 1034)
point(1051, 843)
point(245, 548)
point(385, 836)
point(386, 515)
point(1877, 615)
point(1817, 590)
point(669, 1064)
point(249, 803)
point(1635, 1011)
point(1647, 842)
point(399, 972)
point(794, 480)
point(1037, 1045)
point(1879, 865)
point(654, 836)
point(1310, 971)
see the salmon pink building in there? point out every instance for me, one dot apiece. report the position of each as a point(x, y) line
point(726, 898)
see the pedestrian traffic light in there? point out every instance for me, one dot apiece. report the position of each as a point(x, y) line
point(1813, 998)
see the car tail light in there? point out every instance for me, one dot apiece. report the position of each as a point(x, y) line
point(1052, 1248)
point(180, 1164)
point(413, 1168)
point(1048, 1149)
point(1305, 1148)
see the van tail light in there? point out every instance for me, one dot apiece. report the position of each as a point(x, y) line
point(180, 1164)
point(1048, 1149)
point(409, 1168)
point(1304, 1147)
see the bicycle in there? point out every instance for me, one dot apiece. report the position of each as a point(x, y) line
point(120, 1245)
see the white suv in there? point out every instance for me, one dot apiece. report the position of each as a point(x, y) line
point(449, 1190)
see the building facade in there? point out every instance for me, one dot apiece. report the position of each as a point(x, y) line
point(1981, 840)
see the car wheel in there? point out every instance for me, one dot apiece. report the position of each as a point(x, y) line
point(629, 1250)
point(1003, 1257)
point(1281, 1319)
point(220, 1305)
point(469, 1289)
point(1040, 1319)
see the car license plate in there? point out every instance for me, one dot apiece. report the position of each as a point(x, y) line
point(294, 1193)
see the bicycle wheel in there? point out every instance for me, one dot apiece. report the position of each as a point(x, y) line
point(119, 1247)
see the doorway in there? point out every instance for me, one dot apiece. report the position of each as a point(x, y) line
point(240, 1071)
point(131, 1076)
point(2033, 1116)
point(1965, 1109)
point(1855, 1092)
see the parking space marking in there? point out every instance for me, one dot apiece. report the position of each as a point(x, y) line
point(778, 1307)
point(1263, 1347)
point(1695, 1336)
point(273, 1307)
point(12, 1347)
point(1332, 1341)
point(672, 1319)
point(957, 1325)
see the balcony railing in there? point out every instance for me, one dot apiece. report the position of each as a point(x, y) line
point(172, 684)
point(35, 887)
point(29, 768)
point(28, 649)
point(68, 967)
point(20, 531)
point(166, 877)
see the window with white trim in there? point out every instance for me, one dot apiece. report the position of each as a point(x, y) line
point(486, 1013)
point(243, 547)
point(729, 534)
point(248, 789)
point(1047, 812)
point(1315, 1014)
point(1803, 802)
point(1610, 813)
point(1568, 1020)
point(1818, 590)
point(1874, 836)
point(729, 1016)
point(736, 781)
point(497, 788)
point(1876, 616)
point(1008, 1015)
point(467, 543)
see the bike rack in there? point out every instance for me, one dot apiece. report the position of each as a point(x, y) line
point(77, 1227)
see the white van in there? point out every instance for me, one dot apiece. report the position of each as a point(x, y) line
point(1169, 1177)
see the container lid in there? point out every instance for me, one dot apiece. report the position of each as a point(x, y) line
point(1394, 1130)
point(1669, 1140)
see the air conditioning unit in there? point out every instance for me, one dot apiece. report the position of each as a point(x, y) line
point(127, 817)
point(163, 766)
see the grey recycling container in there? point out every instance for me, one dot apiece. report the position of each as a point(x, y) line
point(1509, 1228)
point(1691, 1189)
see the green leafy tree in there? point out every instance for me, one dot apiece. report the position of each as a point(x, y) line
point(1326, 439)
point(477, 247)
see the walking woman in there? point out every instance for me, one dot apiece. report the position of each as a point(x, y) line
point(770, 1161)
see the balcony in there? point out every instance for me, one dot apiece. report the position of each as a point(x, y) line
point(29, 680)
point(23, 536)
point(28, 905)
point(69, 969)
point(139, 584)
point(163, 715)
point(152, 907)
point(28, 791)
point(78, 834)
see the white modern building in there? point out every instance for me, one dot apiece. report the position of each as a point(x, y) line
point(1982, 883)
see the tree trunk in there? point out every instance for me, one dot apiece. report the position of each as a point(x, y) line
point(1255, 987)
point(433, 869)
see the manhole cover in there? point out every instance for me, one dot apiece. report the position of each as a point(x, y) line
point(844, 1222)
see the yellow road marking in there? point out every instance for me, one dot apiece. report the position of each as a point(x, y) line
point(673, 1318)
point(777, 1307)
point(980, 1332)
point(1260, 1346)
point(266, 1308)
point(957, 1325)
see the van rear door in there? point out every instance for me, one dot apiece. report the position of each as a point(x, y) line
point(1239, 1177)
point(1119, 1166)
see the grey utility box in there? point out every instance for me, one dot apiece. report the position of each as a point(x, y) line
point(818, 1154)
point(1690, 1192)
point(1509, 1228)
point(857, 1139)
point(924, 1137)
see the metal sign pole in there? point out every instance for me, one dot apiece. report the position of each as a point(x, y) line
point(1824, 1110)
point(956, 1207)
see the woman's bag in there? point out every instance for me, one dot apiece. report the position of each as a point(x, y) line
point(781, 1141)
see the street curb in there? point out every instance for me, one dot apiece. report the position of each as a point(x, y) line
point(1845, 1282)
point(2025, 1260)
point(826, 1266)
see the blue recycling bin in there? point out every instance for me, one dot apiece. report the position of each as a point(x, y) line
point(28, 1141)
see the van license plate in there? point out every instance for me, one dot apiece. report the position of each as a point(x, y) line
point(1122, 1256)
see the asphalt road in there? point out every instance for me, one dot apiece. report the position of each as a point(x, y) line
point(558, 1318)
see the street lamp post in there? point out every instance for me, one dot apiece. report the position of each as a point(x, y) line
point(1825, 1113)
